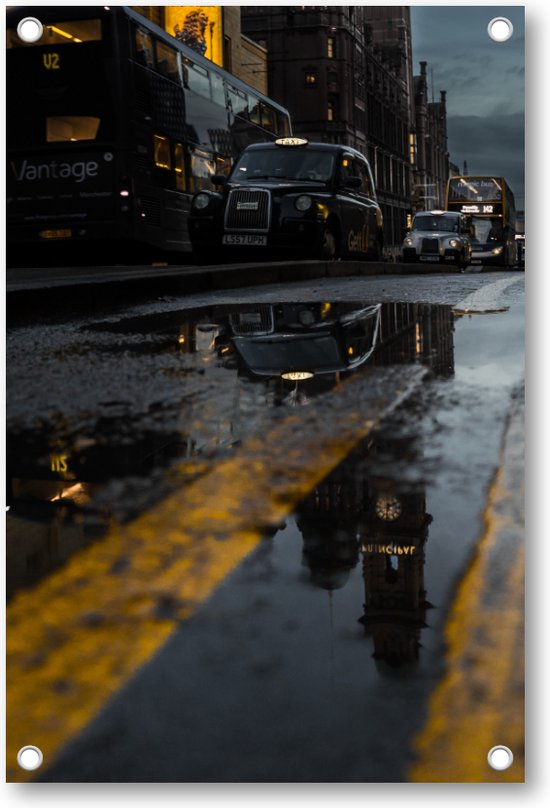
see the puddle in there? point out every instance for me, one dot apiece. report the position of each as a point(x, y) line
point(107, 452)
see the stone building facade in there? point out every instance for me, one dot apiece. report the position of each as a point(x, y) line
point(346, 75)
point(432, 167)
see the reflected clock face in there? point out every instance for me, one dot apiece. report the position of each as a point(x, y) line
point(388, 507)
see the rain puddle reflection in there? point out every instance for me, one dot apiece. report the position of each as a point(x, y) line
point(361, 519)
point(234, 368)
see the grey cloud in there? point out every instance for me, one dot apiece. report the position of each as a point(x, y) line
point(492, 145)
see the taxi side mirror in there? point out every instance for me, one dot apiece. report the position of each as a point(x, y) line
point(218, 179)
point(352, 182)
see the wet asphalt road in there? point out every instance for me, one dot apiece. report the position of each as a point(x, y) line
point(314, 658)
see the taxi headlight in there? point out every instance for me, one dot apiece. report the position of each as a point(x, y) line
point(201, 201)
point(409, 242)
point(453, 242)
point(303, 202)
point(496, 250)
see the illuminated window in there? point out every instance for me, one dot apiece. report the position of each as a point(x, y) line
point(412, 148)
point(71, 127)
point(311, 79)
point(162, 151)
point(330, 111)
point(330, 47)
point(179, 167)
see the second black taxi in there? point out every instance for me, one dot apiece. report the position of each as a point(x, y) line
point(290, 199)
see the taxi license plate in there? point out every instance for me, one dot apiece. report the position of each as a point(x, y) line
point(56, 233)
point(429, 257)
point(245, 239)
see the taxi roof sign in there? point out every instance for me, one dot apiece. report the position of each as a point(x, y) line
point(291, 141)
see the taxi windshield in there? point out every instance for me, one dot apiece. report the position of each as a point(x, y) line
point(288, 164)
point(448, 224)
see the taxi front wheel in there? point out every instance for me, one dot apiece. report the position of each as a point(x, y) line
point(329, 245)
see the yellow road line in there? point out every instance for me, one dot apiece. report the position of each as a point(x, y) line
point(480, 701)
point(76, 638)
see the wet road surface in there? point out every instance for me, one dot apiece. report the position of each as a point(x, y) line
point(313, 646)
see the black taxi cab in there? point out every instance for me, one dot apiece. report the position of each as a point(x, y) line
point(290, 198)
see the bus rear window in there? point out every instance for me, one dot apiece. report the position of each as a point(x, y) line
point(74, 32)
point(71, 128)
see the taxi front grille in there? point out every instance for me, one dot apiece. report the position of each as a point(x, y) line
point(430, 245)
point(259, 321)
point(248, 210)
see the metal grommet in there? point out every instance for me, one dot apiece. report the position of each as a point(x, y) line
point(30, 757)
point(500, 29)
point(29, 29)
point(500, 758)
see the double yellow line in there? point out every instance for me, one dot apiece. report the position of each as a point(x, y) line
point(479, 703)
point(77, 637)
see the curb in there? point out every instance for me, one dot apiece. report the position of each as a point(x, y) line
point(199, 279)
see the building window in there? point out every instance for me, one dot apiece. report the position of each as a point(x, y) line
point(330, 111)
point(179, 166)
point(227, 53)
point(162, 151)
point(71, 128)
point(311, 78)
point(331, 47)
point(412, 148)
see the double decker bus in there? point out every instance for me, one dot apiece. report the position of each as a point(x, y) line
point(112, 126)
point(489, 204)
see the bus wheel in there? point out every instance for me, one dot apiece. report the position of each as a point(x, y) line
point(329, 245)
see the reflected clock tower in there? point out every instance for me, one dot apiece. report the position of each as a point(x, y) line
point(393, 550)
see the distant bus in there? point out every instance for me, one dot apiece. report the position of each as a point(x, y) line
point(112, 126)
point(489, 204)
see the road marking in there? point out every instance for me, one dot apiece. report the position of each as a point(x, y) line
point(487, 298)
point(480, 701)
point(76, 638)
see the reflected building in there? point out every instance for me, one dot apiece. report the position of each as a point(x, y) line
point(328, 520)
point(393, 543)
point(356, 514)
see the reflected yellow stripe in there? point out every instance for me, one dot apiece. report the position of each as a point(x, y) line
point(76, 638)
point(480, 701)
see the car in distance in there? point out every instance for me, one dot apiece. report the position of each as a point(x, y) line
point(290, 199)
point(439, 236)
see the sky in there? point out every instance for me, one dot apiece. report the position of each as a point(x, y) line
point(484, 81)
